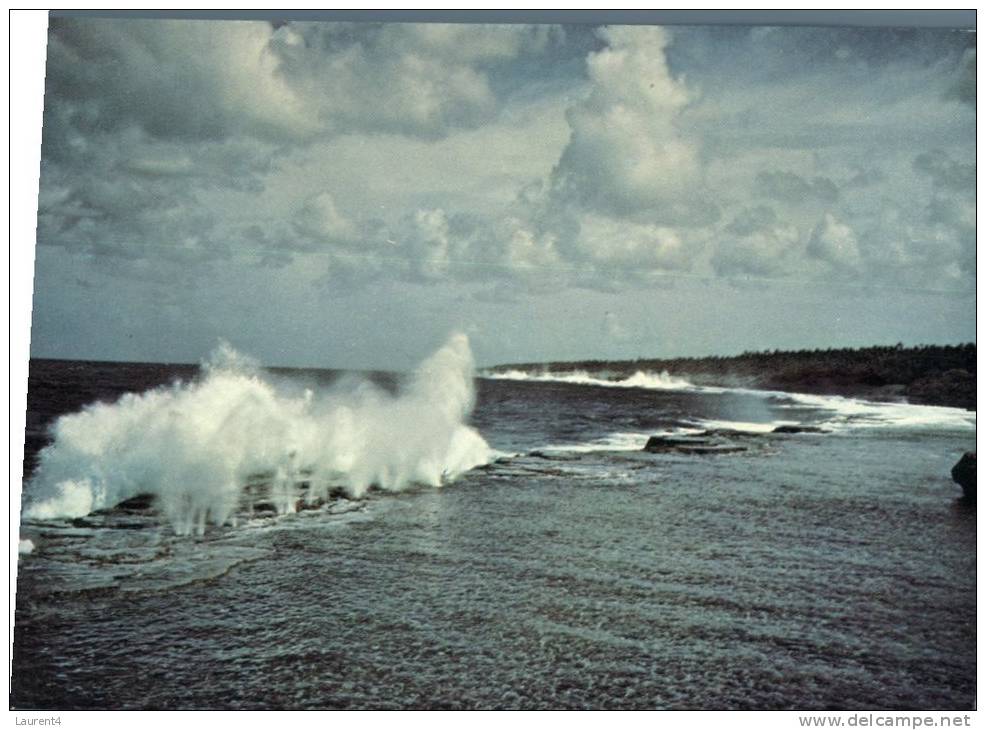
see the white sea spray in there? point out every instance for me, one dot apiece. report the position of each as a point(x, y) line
point(195, 446)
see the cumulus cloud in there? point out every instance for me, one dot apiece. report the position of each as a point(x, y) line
point(627, 155)
point(321, 220)
point(214, 79)
point(630, 246)
point(426, 80)
point(429, 245)
point(688, 151)
point(925, 248)
point(103, 214)
point(152, 127)
point(173, 79)
point(952, 222)
point(466, 43)
point(756, 243)
point(834, 242)
point(527, 252)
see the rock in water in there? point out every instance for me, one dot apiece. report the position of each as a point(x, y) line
point(689, 445)
point(669, 443)
point(799, 429)
point(964, 473)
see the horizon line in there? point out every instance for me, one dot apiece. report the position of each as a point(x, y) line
point(771, 351)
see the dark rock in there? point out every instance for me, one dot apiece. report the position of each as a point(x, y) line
point(799, 429)
point(964, 474)
point(140, 504)
point(955, 387)
point(670, 443)
point(263, 507)
point(301, 504)
point(689, 445)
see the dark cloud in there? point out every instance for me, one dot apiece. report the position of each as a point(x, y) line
point(946, 172)
point(775, 54)
point(187, 80)
point(293, 82)
point(964, 88)
point(427, 80)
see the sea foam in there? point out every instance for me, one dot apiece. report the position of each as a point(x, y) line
point(195, 446)
point(640, 379)
point(840, 412)
point(833, 412)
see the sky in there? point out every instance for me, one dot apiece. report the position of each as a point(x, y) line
point(347, 194)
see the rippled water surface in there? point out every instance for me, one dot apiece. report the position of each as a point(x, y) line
point(829, 570)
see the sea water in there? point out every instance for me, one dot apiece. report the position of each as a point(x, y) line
point(321, 540)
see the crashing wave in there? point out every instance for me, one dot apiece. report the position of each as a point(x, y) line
point(197, 446)
point(640, 379)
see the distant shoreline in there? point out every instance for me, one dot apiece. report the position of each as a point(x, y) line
point(939, 375)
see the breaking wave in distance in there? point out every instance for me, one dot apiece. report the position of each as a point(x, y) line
point(858, 413)
point(836, 412)
point(196, 445)
point(640, 379)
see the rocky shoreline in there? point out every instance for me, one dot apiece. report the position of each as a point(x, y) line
point(937, 375)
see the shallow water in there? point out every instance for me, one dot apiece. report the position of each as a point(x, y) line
point(833, 570)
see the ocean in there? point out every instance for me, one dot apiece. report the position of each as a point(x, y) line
point(320, 540)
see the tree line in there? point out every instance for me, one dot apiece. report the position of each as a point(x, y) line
point(930, 374)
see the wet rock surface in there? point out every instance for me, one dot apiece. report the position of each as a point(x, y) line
point(964, 474)
point(722, 440)
point(698, 444)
